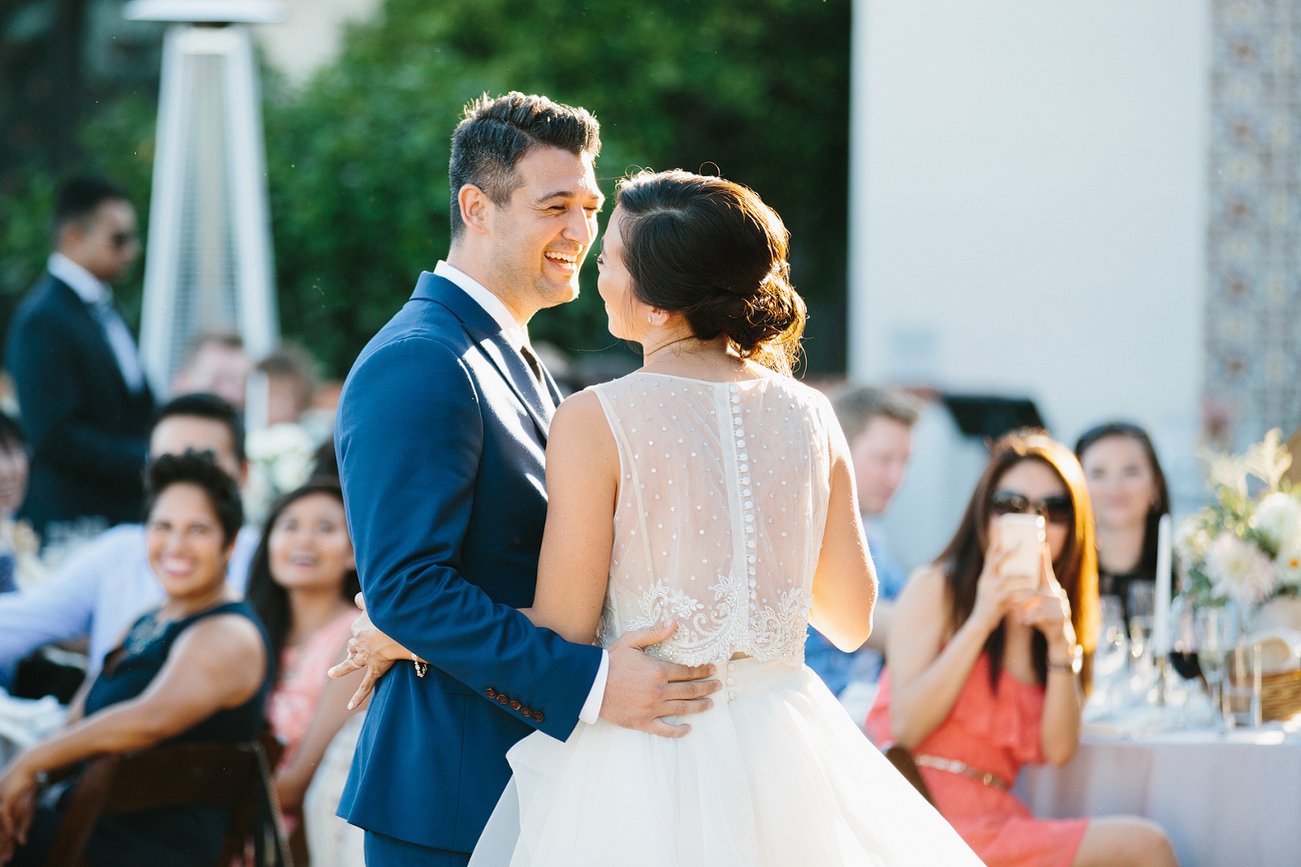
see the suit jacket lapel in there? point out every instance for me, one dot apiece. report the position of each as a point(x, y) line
point(486, 334)
point(79, 310)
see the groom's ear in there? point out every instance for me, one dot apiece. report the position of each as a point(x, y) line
point(475, 206)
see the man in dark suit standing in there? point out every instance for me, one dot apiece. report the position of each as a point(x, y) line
point(441, 433)
point(83, 395)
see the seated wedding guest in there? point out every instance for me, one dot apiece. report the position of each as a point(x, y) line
point(291, 383)
point(986, 673)
point(85, 402)
point(16, 537)
point(301, 584)
point(878, 426)
point(1129, 496)
point(104, 587)
point(196, 669)
point(216, 364)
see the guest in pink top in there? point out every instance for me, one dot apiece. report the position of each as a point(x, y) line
point(986, 674)
point(302, 582)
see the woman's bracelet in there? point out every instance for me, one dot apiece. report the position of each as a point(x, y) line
point(1074, 666)
point(422, 667)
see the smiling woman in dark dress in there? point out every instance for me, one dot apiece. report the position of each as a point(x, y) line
point(194, 670)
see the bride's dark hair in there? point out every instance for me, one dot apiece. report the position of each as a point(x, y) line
point(712, 250)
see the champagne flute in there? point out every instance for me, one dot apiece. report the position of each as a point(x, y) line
point(1214, 631)
point(1142, 605)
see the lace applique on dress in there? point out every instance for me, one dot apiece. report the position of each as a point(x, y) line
point(722, 504)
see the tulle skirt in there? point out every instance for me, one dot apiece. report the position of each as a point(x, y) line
point(775, 775)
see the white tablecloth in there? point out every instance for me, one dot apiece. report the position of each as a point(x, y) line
point(1224, 799)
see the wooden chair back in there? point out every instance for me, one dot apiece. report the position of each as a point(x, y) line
point(904, 764)
point(236, 777)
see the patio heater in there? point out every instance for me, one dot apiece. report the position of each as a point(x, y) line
point(208, 262)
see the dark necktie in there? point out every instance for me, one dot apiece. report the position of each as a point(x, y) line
point(535, 367)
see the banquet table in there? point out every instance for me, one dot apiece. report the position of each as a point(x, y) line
point(1231, 799)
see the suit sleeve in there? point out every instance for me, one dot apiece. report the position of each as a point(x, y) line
point(410, 438)
point(51, 395)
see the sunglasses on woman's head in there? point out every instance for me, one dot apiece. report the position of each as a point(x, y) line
point(1055, 510)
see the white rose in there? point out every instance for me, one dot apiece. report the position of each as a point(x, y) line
point(1240, 571)
point(1278, 518)
point(1192, 540)
point(1288, 561)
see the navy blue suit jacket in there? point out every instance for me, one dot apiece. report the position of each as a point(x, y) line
point(441, 438)
point(89, 433)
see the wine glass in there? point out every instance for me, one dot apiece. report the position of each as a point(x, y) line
point(1183, 654)
point(1142, 604)
point(1215, 634)
point(1111, 652)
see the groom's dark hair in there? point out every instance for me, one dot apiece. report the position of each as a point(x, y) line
point(494, 134)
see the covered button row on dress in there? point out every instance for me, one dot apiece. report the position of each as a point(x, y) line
point(747, 503)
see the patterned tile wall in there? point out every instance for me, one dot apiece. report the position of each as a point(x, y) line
point(1253, 308)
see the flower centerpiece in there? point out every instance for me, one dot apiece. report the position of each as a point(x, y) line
point(280, 459)
point(1245, 547)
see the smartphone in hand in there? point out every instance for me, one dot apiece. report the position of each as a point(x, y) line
point(1024, 535)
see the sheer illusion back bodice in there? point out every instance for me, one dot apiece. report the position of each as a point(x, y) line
point(722, 503)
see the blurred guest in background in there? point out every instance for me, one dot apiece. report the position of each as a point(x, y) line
point(103, 588)
point(986, 675)
point(878, 426)
point(1129, 497)
point(216, 364)
point(301, 584)
point(291, 383)
point(84, 400)
point(16, 537)
point(196, 669)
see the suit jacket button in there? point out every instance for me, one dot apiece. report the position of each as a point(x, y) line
point(514, 704)
point(526, 713)
point(502, 698)
point(537, 716)
point(490, 692)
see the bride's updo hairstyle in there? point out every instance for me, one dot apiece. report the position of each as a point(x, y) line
point(712, 250)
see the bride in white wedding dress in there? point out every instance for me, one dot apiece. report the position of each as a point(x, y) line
point(712, 488)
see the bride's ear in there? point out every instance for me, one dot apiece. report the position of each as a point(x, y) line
point(657, 317)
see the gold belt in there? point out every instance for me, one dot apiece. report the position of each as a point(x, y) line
point(953, 766)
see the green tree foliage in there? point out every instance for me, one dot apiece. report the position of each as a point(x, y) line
point(757, 91)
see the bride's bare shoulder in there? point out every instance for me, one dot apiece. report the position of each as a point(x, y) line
point(580, 421)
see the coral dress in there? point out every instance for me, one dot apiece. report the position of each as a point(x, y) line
point(997, 733)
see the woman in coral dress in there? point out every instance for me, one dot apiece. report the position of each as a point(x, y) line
point(986, 675)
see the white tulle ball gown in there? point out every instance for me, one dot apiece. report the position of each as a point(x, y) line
point(722, 503)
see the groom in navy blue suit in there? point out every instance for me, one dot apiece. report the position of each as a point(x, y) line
point(441, 436)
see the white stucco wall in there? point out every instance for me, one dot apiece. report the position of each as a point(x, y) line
point(1027, 216)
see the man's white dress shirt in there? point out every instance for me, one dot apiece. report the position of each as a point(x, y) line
point(99, 298)
point(517, 336)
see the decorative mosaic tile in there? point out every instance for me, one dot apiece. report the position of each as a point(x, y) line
point(1253, 307)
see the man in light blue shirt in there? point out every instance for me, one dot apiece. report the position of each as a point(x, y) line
point(878, 427)
point(101, 590)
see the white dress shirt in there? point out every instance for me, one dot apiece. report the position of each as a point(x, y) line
point(99, 297)
point(518, 336)
point(99, 591)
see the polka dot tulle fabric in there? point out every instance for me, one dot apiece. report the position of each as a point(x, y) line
point(722, 503)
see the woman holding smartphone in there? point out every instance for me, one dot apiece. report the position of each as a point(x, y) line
point(997, 679)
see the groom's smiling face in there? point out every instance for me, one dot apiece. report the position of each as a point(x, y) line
point(541, 236)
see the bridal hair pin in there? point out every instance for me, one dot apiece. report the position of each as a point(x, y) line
point(422, 667)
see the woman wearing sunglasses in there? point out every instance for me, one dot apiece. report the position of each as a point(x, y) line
point(986, 675)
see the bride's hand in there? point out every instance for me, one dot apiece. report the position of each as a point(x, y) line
point(371, 649)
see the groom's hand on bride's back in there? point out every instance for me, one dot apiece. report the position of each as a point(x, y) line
point(641, 689)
